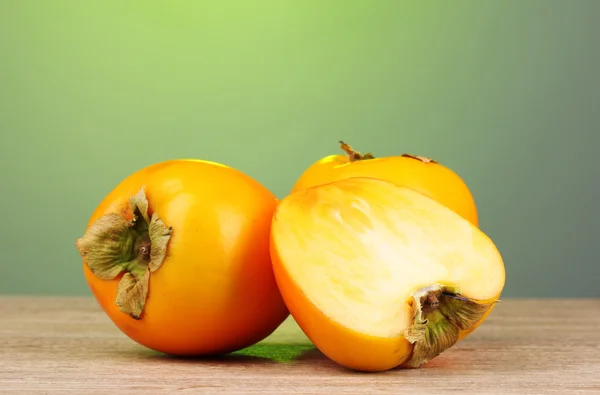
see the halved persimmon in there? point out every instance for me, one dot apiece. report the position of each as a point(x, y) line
point(177, 255)
point(378, 275)
point(420, 173)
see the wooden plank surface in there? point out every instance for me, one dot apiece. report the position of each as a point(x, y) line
point(67, 345)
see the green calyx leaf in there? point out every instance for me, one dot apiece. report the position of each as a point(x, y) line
point(113, 246)
point(440, 313)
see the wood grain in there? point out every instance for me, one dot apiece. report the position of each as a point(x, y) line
point(67, 345)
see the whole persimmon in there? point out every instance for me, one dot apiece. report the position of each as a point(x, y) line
point(420, 173)
point(380, 276)
point(177, 255)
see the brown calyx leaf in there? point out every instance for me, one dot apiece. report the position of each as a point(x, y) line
point(463, 312)
point(105, 244)
point(139, 205)
point(132, 292)
point(159, 238)
point(423, 159)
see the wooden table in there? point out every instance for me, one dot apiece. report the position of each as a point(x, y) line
point(67, 345)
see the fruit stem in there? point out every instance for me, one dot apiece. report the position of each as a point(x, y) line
point(354, 155)
point(113, 246)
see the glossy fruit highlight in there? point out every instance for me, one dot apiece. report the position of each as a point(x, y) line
point(177, 255)
point(417, 172)
point(378, 275)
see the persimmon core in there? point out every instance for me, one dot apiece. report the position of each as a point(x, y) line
point(387, 261)
point(113, 246)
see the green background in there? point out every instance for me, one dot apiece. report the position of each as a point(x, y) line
point(505, 93)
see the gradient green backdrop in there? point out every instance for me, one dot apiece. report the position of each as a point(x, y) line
point(506, 93)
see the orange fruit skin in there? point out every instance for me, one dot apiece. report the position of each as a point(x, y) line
point(432, 179)
point(215, 291)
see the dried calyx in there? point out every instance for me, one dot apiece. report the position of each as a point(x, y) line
point(423, 159)
point(440, 313)
point(355, 155)
point(113, 246)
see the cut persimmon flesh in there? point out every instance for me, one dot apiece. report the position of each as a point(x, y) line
point(379, 275)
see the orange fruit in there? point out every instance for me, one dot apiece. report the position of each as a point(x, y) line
point(420, 173)
point(177, 255)
point(379, 275)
